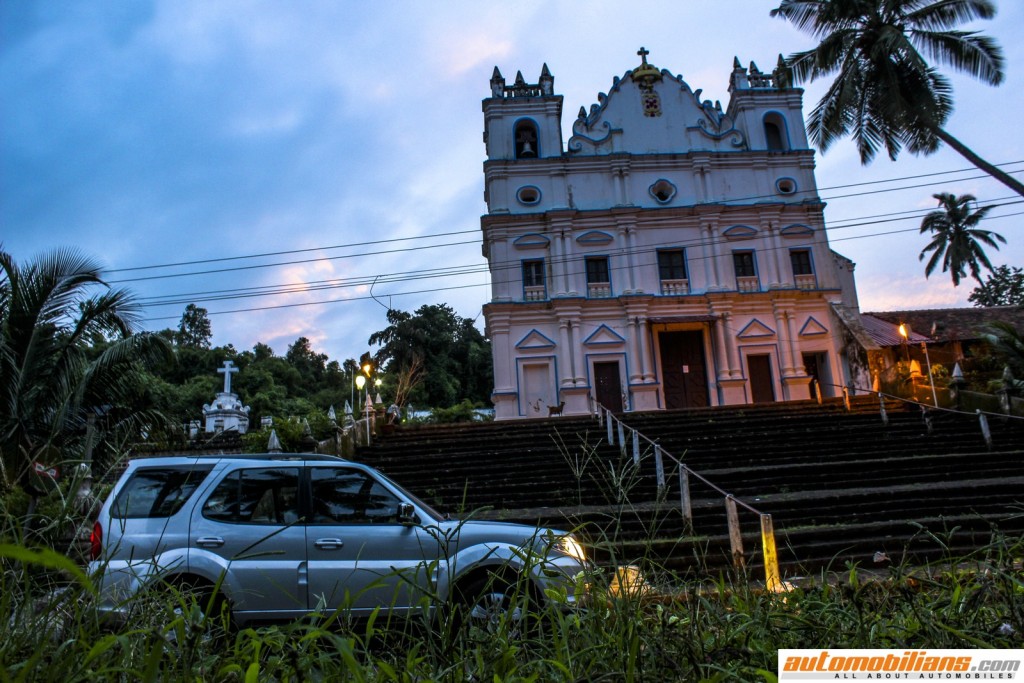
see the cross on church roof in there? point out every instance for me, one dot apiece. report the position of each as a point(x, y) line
point(227, 370)
point(643, 52)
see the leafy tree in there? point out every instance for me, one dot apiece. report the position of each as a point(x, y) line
point(52, 310)
point(885, 94)
point(1002, 287)
point(194, 330)
point(1007, 344)
point(310, 365)
point(956, 239)
point(454, 355)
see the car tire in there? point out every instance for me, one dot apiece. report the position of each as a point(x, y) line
point(489, 605)
point(196, 613)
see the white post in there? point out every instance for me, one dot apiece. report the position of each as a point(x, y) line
point(985, 432)
point(636, 448)
point(735, 538)
point(881, 407)
point(611, 435)
point(622, 438)
point(684, 496)
point(659, 468)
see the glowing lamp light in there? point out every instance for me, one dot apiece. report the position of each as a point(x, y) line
point(360, 382)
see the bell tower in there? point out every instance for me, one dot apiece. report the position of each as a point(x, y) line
point(523, 120)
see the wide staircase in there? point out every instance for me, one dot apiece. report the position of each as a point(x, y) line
point(840, 484)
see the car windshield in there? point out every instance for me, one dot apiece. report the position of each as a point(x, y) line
point(437, 516)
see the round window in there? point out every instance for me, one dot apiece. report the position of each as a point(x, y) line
point(528, 195)
point(663, 191)
point(785, 185)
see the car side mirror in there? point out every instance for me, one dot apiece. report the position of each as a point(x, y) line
point(407, 514)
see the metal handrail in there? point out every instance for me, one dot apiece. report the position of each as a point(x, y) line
point(773, 581)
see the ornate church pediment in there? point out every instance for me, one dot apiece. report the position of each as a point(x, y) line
point(812, 328)
point(755, 329)
point(594, 238)
point(531, 240)
point(604, 336)
point(740, 232)
point(651, 110)
point(535, 340)
point(797, 230)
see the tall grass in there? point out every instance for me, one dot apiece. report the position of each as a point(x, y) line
point(668, 629)
point(724, 630)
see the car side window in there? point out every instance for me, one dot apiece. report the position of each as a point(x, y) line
point(263, 495)
point(157, 491)
point(347, 496)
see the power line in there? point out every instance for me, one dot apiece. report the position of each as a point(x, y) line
point(730, 208)
point(621, 252)
point(471, 269)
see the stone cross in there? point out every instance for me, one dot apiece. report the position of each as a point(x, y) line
point(643, 52)
point(227, 370)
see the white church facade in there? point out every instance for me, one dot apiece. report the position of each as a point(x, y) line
point(673, 254)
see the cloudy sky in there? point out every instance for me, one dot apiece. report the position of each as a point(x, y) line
point(280, 162)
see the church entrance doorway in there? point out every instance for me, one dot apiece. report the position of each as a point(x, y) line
point(608, 385)
point(816, 366)
point(683, 369)
point(762, 387)
point(537, 390)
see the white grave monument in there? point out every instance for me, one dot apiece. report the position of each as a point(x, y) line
point(227, 412)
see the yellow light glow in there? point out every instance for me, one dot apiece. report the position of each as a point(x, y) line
point(628, 581)
point(367, 369)
point(904, 331)
point(360, 381)
point(571, 547)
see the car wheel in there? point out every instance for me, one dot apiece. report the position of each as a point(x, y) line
point(196, 614)
point(490, 605)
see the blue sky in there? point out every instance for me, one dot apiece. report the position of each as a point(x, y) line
point(160, 132)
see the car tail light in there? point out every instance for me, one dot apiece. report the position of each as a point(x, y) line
point(96, 541)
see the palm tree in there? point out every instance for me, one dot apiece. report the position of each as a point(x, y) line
point(885, 94)
point(52, 321)
point(956, 238)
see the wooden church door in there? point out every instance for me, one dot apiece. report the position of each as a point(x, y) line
point(683, 369)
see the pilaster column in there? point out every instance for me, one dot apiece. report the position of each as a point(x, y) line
point(565, 353)
point(794, 347)
point(646, 360)
point(711, 265)
point(504, 376)
point(775, 246)
point(560, 229)
point(627, 238)
point(701, 168)
point(633, 349)
point(577, 351)
point(781, 332)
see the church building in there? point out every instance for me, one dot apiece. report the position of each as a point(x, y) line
point(672, 254)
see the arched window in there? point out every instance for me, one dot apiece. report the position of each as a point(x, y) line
point(775, 133)
point(525, 138)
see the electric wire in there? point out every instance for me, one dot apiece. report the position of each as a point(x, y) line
point(729, 208)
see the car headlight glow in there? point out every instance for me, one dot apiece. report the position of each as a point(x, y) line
point(567, 545)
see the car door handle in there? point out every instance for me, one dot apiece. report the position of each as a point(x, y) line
point(210, 542)
point(328, 543)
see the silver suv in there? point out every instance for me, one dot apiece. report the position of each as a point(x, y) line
point(282, 535)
